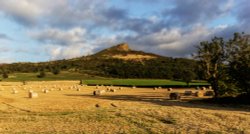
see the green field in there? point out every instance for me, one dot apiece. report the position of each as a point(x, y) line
point(94, 80)
point(143, 82)
point(49, 77)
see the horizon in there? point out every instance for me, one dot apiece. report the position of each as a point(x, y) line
point(39, 31)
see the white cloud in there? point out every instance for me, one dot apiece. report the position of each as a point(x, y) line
point(67, 52)
point(72, 36)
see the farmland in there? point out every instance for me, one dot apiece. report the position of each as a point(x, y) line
point(71, 108)
point(97, 80)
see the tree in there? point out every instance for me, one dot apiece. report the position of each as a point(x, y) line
point(5, 75)
point(42, 74)
point(188, 76)
point(211, 56)
point(56, 70)
point(239, 61)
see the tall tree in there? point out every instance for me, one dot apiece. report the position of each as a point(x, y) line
point(211, 56)
point(239, 61)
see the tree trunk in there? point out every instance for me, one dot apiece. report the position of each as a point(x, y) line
point(215, 85)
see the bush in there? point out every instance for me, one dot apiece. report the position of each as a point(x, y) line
point(56, 70)
point(42, 74)
point(5, 75)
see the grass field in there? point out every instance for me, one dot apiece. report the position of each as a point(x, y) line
point(143, 82)
point(95, 80)
point(142, 110)
point(14, 77)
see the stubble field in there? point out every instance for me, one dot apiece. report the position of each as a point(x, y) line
point(71, 108)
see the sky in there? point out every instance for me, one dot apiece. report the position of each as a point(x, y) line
point(45, 30)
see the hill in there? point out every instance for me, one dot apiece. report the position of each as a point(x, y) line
point(119, 61)
point(122, 51)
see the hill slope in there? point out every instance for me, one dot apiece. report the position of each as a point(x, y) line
point(118, 61)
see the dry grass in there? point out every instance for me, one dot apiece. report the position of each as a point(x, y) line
point(125, 111)
point(133, 57)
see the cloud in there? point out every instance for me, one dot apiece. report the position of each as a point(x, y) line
point(176, 42)
point(71, 28)
point(4, 36)
point(243, 15)
point(24, 12)
point(60, 37)
point(66, 52)
point(190, 12)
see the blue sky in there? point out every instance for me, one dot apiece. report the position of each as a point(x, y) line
point(42, 30)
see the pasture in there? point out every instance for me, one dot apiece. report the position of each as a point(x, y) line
point(68, 107)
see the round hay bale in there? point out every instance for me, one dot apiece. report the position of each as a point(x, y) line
point(45, 91)
point(159, 87)
point(154, 88)
point(134, 87)
point(98, 92)
point(112, 90)
point(199, 94)
point(33, 95)
point(203, 88)
point(14, 92)
point(188, 93)
point(175, 96)
point(78, 89)
point(120, 88)
point(209, 93)
point(170, 89)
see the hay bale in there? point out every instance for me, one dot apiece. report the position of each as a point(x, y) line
point(45, 91)
point(98, 92)
point(14, 92)
point(78, 89)
point(199, 94)
point(120, 88)
point(112, 90)
point(134, 87)
point(209, 93)
point(33, 95)
point(155, 88)
point(188, 93)
point(170, 89)
point(97, 87)
point(60, 89)
point(112, 104)
point(203, 88)
point(175, 96)
point(159, 87)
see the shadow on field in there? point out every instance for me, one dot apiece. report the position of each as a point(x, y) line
point(159, 100)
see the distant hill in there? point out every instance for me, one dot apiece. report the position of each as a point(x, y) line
point(118, 61)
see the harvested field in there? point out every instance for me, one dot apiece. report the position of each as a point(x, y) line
point(139, 110)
